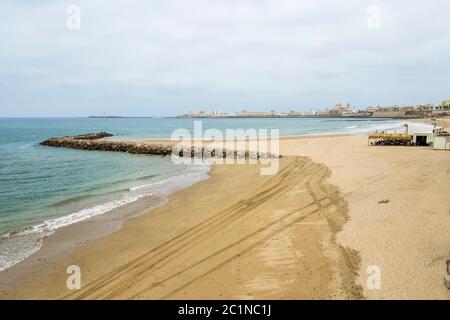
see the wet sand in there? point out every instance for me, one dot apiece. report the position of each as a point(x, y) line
point(309, 232)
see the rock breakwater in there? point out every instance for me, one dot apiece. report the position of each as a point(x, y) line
point(93, 141)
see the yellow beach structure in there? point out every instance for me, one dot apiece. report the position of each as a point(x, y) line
point(390, 139)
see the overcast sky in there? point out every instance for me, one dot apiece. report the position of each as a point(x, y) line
point(162, 58)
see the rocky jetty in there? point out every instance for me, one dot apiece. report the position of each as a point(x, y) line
point(92, 136)
point(92, 141)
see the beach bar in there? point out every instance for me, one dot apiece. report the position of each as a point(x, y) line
point(390, 139)
point(438, 138)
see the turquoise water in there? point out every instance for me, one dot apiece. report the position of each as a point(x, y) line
point(44, 188)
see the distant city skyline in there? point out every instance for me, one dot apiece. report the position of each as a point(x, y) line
point(165, 58)
point(425, 110)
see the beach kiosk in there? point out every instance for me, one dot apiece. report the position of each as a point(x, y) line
point(421, 139)
point(441, 139)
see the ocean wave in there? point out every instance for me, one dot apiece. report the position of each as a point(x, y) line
point(15, 246)
point(378, 126)
point(81, 215)
point(31, 238)
point(13, 251)
point(164, 181)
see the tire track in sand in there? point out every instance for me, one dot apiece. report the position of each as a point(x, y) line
point(145, 277)
point(234, 210)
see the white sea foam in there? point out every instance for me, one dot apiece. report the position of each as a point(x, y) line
point(14, 249)
point(54, 224)
point(360, 129)
point(191, 175)
point(377, 126)
point(18, 245)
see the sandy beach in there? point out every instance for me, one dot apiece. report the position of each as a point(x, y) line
point(335, 207)
point(249, 151)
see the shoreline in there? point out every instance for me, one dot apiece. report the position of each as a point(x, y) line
point(318, 149)
point(69, 238)
point(220, 175)
point(283, 137)
point(168, 143)
point(155, 193)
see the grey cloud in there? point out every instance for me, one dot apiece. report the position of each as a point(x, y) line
point(164, 57)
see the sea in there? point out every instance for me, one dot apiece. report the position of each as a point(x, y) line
point(43, 189)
